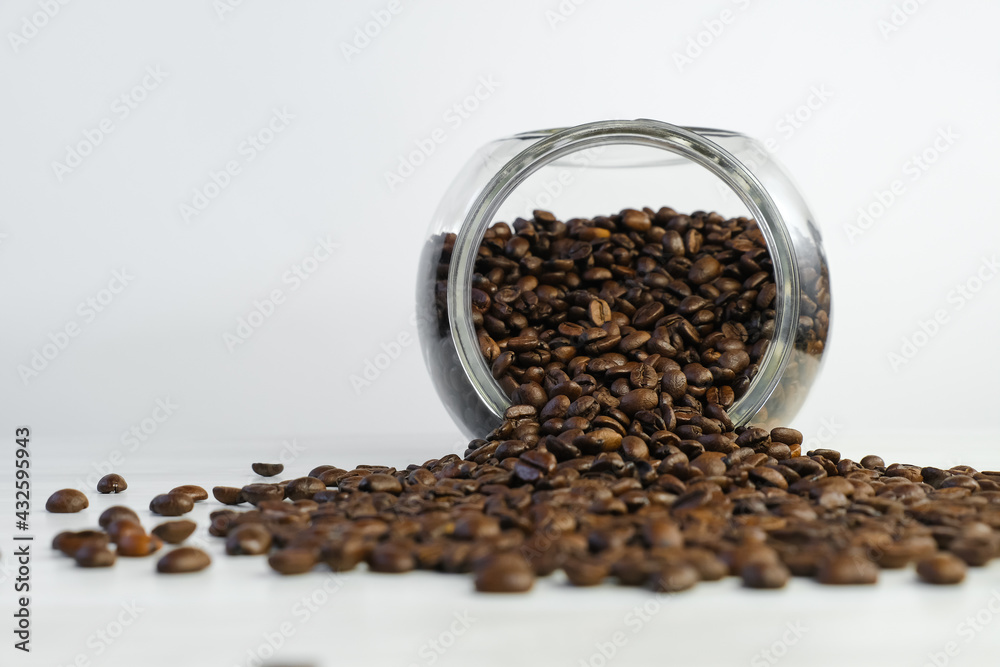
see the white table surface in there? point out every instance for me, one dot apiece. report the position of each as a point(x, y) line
point(222, 615)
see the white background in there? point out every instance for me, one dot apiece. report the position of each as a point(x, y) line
point(895, 76)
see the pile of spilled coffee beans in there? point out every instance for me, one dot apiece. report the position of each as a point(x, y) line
point(621, 341)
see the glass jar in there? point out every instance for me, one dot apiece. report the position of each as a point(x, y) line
point(598, 169)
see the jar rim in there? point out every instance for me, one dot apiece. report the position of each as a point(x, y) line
point(690, 143)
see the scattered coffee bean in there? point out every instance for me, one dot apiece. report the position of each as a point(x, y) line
point(941, 568)
point(137, 544)
point(69, 542)
point(293, 560)
point(111, 483)
point(847, 568)
point(66, 501)
point(182, 560)
point(196, 492)
point(248, 539)
point(504, 573)
point(93, 555)
point(115, 513)
point(228, 495)
point(174, 532)
point(171, 504)
point(269, 469)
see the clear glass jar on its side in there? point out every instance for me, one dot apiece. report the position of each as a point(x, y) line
point(598, 169)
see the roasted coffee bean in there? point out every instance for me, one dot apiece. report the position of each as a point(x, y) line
point(504, 573)
point(69, 542)
point(941, 568)
point(269, 469)
point(392, 557)
point(94, 555)
point(258, 493)
point(228, 495)
point(673, 577)
point(171, 504)
point(66, 501)
point(847, 568)
point(765, 574)
point(174, 532)
point(183, 560)
point(304, 488)
point(137, 544)
point(116, 529)
point(379, 483)
point(115, 513)
point(293, 560)
point(196, 492)
point(248, 539)
point(111, 483)
point(586, 571)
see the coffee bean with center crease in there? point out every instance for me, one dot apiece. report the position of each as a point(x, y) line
point(171, 504)
point(183, 560)
point(66, 501)
point(111, 483)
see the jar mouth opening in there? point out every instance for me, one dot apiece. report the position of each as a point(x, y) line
point(690, 145)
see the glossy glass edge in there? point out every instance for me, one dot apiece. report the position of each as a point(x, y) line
point(686, 142)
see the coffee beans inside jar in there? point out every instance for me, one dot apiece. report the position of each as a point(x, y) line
point(622, 341)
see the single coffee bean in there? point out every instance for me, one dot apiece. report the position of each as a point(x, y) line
point(171, 504)
point(270, 469)
point(111, 483)
point(120, 527)
point(392, 557)
point(69, 542)
point(765, 574)
point(586, 571)
point(847, 568)
point(248, 539)
point(941, 568)
point(66, 501)
point(174, 532)
point(94, 555)
point(258, 493)
point(380, 483)
point(116, 512)
point(136, 544)
point(504, 573)
point(303, 488)
point(673, 577)
point(182, 560)
point(196, 492)
point(293, 560)
point(228, 495)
